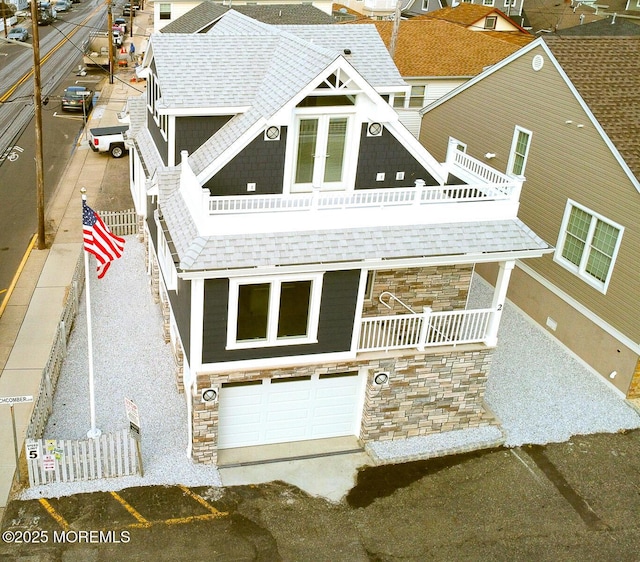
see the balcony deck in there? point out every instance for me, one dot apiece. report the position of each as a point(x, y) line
point(481, 192)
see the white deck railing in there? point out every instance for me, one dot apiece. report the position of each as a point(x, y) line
point(405, 331)
point(363, 198)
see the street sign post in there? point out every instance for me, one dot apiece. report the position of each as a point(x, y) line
point(134, 427)
point(11, 400)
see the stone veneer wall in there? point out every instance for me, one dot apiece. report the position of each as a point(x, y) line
point(443, 287)
point(426, 394)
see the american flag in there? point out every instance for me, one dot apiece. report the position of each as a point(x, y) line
point(99, 240)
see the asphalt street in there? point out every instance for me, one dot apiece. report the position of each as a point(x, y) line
point(577, 500)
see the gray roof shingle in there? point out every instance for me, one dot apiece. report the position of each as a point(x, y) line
point(204, 15)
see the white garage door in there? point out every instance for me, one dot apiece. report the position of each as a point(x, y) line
point(283, 410)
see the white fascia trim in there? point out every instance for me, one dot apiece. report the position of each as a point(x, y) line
point(202, 111)
point(276, 362)
point(364, 264)
point(633, 346)
point(523, 51)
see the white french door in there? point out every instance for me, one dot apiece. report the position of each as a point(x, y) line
point(320, 156)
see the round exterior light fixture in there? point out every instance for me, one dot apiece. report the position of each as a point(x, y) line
point(209, 395)
point(381, 378)
point(272, 133)
point(374, 129)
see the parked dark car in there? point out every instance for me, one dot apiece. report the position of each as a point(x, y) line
point(77, 98)
point(18, 34)
point(126, 10)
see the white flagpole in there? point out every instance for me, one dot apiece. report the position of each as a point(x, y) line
point(94, 432)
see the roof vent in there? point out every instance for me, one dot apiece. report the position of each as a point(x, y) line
point(347, 51)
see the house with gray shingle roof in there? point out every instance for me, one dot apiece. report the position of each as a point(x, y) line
point(286, 11)
point(313, 259)
point(202, 18)
point(572, 128)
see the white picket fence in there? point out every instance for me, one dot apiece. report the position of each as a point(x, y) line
point(121, 223)
point(69, 460)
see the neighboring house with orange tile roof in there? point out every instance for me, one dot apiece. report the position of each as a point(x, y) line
point(483, 15)
point(571, 127)
point(435, 56)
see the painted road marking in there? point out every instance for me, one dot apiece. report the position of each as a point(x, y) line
point(142, 522)
point(54, 514)
point(202, 501)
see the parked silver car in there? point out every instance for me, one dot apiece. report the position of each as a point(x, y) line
point(18, 34)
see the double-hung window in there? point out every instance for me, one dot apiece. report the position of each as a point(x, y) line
point(272, 312)
point(588, 245)
point(519, 152)
point(165, 11)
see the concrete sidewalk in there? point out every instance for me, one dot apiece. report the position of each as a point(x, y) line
point(34, 306)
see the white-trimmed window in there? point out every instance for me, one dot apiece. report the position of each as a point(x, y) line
point(271, 312)
point(165, 11)
point(519, 152)
point(588, 245)
point(508, 3)
point(487, 2)
point(417, 96)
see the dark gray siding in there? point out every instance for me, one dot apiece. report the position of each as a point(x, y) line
point(152, 205)
point(386, 154)
point(154, 130)
point(337, 311)
point(181, 306)
point(261, 162)
point(192, 132)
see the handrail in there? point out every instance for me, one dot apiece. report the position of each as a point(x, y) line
point(393, 297)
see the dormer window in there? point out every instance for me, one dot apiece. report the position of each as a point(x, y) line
point(490, 22)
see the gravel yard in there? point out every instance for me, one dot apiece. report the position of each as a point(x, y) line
point(540, 393)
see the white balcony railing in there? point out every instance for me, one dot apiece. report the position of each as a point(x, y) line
point(404, 331)
point(419, 195)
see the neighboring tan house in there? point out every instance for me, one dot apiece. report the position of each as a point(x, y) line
point(435, 56)
point(571, 128)
point(314, 261)
point(166, 12)
point(481, 16)
point(204, 16)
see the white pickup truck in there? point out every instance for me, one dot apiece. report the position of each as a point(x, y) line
point(109, 139)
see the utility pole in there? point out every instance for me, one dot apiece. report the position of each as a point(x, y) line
point(396, 26)
point(37, 104)
point(110, 36)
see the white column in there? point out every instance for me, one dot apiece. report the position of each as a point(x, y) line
point(499, 296)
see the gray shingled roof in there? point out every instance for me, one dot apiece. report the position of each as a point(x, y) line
point(269, 249)
point(344, 244)
point(204, 15)
point(243, 62)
